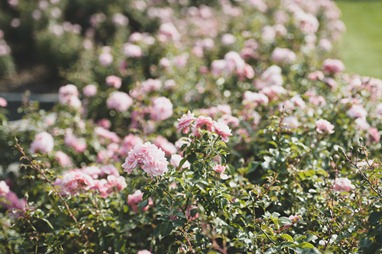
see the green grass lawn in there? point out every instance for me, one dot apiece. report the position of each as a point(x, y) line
point(361, 46)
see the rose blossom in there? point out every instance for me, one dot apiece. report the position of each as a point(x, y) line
point(144, 252)
point(176, 159)
point(134, 199)
point(119, 101)
point(151, 159)
point(161, 109)
point(4, 188)
point(342, 184)
point(78, 144)
point(89, 90)
point(3, 102)
point(168, 147)
point(131, 50)
point(43, 143)
point(333, 66)
point(324, 126)
point(374, 135)
point(114, 81)
point(185, 122)
point(73, 181)
point(222, 129)
point(63, 159)
point(283, 55)
point(357, 111)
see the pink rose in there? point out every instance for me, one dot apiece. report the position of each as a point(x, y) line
point(4, 188)
point(89, 90)
point(43, 143)
point(161, 109)
point(149, 157)
point(63, 159)
point(114, 81)
point(119, 101)
point(342, 184)
point(324, 126)
point(3, 102)
point(333, 66)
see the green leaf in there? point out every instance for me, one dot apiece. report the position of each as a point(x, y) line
point(287, 237)
point(165, 228)
point(306, 245)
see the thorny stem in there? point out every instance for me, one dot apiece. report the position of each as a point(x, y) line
point(188, 240)
point(37, 167)
point(363, 174)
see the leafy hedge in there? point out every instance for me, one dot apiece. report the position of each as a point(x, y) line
point(192, 127)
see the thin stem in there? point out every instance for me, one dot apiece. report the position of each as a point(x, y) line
point(41, 172)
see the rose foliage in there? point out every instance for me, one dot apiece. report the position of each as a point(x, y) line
point(190, 127)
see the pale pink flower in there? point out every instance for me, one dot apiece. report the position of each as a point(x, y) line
point(307, 22)
point(73, 181)
point(333, 66)
point(362, 124)
point(42, 143)
point(324, 126)
point(222, 129)
point(89, 90)
point(151, 85)
point(228, 39)
point(168, 32)
point(116, 182)
point(234, 62)
point(342, 184)
point(63, 159)
point(161, 109)
point(4, 188)
point(78, 144)
point(283, 56)
point(357, 111)
point(185, 122)
point(104, 123)
point(105, 58)
point(149, 157)
point(219, 169)
point(93, 171)
point(3, 102)
point(106, 134)
point(119, 101)
point(120, 20)
point(254, 99)
point(67, 91)
point(114, 81)
point(13, 202)
point(294, 219)
point(131, 50)
point(144, 252)
point(168, 147)
point(290, 122)
point(176, 159)
point(374, 135)
point(68, 95)
point(109, 170)
point(188, 213)
point(134, 199)
point(204, 122)
point(128, 144)
point(270, 77)
point(316, 75)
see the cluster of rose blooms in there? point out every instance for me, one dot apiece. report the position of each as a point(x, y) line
point(151, 103)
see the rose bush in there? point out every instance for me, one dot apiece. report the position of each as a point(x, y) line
point(192, 127)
